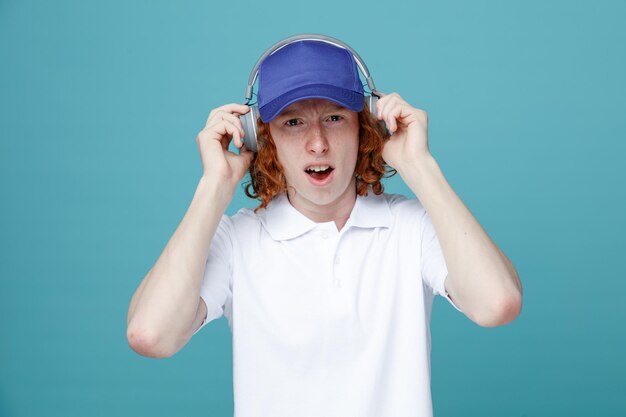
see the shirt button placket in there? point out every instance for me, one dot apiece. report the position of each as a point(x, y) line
point(331, 246)
point(337, 281)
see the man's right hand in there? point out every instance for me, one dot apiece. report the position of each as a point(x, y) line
point(222, 126)
point(167, 307)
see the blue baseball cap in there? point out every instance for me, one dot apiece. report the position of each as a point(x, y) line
point(308, 69)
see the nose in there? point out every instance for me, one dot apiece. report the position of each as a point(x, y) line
point(317, 142)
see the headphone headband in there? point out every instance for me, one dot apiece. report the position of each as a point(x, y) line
point(307, 37)
point(249, 120)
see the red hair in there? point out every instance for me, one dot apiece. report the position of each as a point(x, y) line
point(266, 173)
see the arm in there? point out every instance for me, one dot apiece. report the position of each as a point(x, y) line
point(166, 308)
point(481, 280)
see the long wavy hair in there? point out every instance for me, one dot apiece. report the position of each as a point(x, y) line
point(266, 173)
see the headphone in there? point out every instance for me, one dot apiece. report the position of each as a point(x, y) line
point(249, 120)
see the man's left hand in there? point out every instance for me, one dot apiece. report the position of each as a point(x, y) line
point(409, 142)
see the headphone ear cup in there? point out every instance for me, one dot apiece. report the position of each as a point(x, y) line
point(248, 121)
point(371, 101)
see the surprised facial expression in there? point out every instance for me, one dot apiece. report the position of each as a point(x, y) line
point(317, 143)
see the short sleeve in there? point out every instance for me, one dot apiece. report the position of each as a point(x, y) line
point(216, 287)
point(434, 269)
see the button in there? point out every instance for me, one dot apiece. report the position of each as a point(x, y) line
point(337, 283)
point(337, 260)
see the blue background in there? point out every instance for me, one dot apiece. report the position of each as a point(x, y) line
point(100, 104)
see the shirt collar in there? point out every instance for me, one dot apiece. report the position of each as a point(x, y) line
point(283, 222)
point(370, 211)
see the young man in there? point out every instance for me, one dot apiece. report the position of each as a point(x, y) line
point(327, 286)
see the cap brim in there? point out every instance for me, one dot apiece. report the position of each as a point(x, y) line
point(347, 98)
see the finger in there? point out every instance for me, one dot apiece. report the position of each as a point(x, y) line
point(237, 140)
point(385, 104)
point(393, 97)
point(242, 160)
point(207, 134)
point(423, 116)
point(217, 133)
point(400, 112)
point(221, 115)
point(234, 132)
point(223, 131)
point(244, 152)
point(225, 141)
point(232, 108)
point(379, 106)
point(391, 121)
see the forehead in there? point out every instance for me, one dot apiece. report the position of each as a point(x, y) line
point(311, 105)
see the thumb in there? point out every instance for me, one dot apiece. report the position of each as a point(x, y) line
point(246, 156)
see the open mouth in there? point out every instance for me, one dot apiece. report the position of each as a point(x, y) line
point(319, 172)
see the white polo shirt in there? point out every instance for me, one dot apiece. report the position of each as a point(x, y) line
point(328, 323)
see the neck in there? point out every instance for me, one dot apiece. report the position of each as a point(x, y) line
point(337, 211)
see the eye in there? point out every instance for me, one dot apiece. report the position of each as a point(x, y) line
point(335, 118)
point(292, 122)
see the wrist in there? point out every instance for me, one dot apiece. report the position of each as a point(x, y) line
point(215, 190)
point(418, 172)
point(416, 165)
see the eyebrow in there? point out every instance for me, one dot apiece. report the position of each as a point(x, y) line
point(331, 107)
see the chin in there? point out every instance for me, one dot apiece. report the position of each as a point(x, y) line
point(328, 197)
